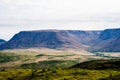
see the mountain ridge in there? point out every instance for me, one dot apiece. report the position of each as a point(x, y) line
point(97, 40)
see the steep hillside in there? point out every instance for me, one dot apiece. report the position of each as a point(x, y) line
point(109, 40)
point(51, 39)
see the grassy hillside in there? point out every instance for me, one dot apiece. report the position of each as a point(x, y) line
point(113, 64)
point(50, 64)
point(8, 57)
point(62, 74)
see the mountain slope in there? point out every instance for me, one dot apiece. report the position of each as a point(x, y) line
point(51, 39)
point(107, 40)
point(2, 41)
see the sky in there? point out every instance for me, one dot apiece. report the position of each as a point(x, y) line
point(20, 15)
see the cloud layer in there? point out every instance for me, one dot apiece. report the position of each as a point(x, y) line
point(17, 15)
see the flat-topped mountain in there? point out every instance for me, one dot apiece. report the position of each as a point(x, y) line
point(107, 40)
point(51, 39)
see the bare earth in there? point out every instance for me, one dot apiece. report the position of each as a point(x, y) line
point(49, 54)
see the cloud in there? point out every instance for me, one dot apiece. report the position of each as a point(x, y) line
point(58, 9)
point(57, 14)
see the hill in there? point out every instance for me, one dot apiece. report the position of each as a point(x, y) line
point(112, 64)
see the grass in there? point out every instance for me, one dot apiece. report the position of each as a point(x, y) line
point(48, 64)
point(7, 57)
point(17, 57)
point(112, 64)
point(58, 74)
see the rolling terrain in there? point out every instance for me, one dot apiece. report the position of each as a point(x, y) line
point(40, 57)
point(78, 72)
point(17, 57)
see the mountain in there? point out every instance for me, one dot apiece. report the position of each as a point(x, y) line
point(2, 41)
point(106, 40)
point(109, 40)
point(51, 39)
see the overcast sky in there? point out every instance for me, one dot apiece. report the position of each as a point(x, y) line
point(19, 15)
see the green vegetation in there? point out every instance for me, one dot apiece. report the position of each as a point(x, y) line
point(50, 64)
point(111, 77)
point(58, 74)
point(6, 57)
point(112, 64)
point(39, 57)
point(50, 72)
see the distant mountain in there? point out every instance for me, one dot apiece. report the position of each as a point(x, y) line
point(107, 40)
point(2, 41)
point(51, 39)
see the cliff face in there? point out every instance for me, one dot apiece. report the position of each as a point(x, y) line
point(107, 40)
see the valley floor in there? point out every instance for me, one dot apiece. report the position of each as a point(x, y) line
point(58, 64)
point(18, 57)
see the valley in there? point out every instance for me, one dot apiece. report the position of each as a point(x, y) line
point(17, 57)
point(61, 55)
point(59, 39)
point(42, 58)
